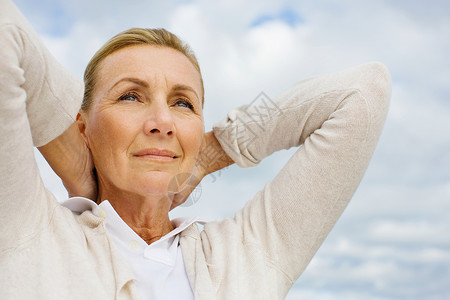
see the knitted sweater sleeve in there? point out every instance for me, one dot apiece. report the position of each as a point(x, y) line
point(39, 100)
point(335, 120)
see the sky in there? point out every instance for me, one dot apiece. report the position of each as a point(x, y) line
point(393, 240)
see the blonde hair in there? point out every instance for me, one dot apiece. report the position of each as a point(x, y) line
point(134, 36)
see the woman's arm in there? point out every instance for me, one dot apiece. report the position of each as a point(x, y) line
point(337, 119)
point(39, 100)
point(212, 156)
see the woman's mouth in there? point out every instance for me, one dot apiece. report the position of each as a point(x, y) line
point(162, 155)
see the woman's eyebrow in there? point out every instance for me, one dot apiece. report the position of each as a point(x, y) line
point(176, 87)
point(182, 87)
point(133, 80)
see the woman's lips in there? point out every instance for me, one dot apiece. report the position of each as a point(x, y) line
point(156, 154)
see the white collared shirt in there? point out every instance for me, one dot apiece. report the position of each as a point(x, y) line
point(158, 267)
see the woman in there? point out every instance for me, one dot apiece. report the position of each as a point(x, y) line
point(140, 128)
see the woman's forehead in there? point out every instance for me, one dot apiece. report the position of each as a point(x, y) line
point(148, 63)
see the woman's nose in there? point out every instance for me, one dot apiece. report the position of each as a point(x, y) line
point(159, 120)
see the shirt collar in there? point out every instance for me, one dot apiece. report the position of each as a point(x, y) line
point(79, 205)
point(163, 250)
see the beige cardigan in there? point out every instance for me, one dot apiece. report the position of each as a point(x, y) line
point(47, 252)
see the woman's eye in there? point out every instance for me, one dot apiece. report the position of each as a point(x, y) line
point(184, 103)
point(129, 97)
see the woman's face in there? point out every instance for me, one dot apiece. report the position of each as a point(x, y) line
point(145, 125)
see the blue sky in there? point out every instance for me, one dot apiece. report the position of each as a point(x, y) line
point(287, 15)
point(393, 240)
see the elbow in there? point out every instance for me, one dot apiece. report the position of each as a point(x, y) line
point(381, 80)
point(377, 86)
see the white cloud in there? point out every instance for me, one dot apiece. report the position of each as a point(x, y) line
point(351, 268)
point(410, 232)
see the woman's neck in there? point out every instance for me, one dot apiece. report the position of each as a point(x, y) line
point(147, 216)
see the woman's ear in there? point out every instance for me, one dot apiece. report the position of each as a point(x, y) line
point(81, 121)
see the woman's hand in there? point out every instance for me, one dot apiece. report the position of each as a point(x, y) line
point(71, 159)
point(210, 159)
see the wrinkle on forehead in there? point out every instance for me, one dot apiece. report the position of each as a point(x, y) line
point(175, 68)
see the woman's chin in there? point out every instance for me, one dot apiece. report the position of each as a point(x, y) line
point(155, 183)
